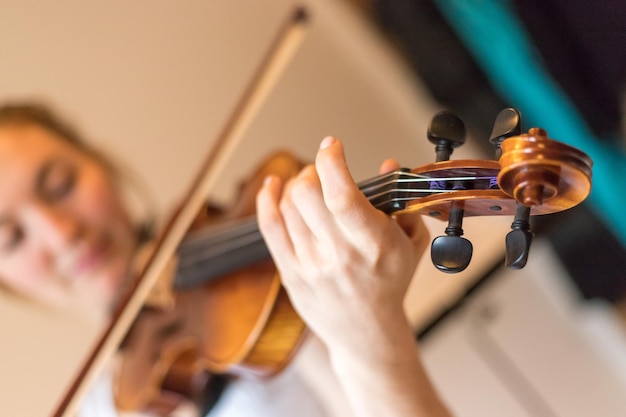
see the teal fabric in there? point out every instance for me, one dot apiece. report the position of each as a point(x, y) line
point(498, 41)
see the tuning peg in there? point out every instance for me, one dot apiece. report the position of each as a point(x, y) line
point(508, 123)
point(452, 253)
point(446, 131)
point(519, 238)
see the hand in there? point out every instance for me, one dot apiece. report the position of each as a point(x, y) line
point(345, 264)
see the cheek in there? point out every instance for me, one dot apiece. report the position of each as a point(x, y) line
point(100, 203)
point(99, 209)
point(25, 272)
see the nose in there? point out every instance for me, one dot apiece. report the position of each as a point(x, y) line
point(54, 226)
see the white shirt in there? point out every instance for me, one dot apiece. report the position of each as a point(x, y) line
point(306, 388)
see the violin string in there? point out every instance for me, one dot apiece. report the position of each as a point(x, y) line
point(409, 174)
point(412, 194)
point(218, 248)
point(249, 234)
point(218, 257)
point(210, 243)
point(375, 180)
point(224, 228)
point(401, 176)
point(428, 181)
point(372, 191)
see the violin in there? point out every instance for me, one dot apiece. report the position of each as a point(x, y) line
point(235, 318)
point(216, 306)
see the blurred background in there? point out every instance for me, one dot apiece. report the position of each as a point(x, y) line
point(562, 65)
point(152, 83)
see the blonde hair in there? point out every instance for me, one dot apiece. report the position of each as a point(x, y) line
point(33, 113)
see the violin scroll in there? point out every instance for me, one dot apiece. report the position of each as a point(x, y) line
point(536, 170)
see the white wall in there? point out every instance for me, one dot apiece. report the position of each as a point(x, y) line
point(526, 346)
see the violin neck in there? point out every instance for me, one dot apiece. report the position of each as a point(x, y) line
point(385, 191)
point(215, 251)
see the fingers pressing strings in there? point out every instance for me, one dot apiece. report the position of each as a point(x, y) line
point(271, 222)
point(352, 211)
point(304, 217)
point(321, 214)
point(305, 195)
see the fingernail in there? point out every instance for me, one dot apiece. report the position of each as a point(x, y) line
point(268, 180)
point(327, 142)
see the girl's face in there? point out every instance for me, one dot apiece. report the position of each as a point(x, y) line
point(65, 238)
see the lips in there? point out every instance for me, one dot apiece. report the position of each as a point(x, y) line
point(90, 257)
point(90, 260)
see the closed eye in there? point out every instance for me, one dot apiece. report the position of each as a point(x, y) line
point(56, 180)
point(11, 235)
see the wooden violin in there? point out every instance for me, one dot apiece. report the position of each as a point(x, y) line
point(232, 310)
point(225, 312)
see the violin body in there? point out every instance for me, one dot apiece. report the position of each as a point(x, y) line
point(250, 323)
point(241, 322)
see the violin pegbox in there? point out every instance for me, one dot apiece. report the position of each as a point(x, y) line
point(532, 175)
point(536, 175)
point(451, 253)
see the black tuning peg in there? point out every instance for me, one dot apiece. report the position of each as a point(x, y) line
point(446, 131)
point(508, 123)
point(519, 238)
point(452, 253)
